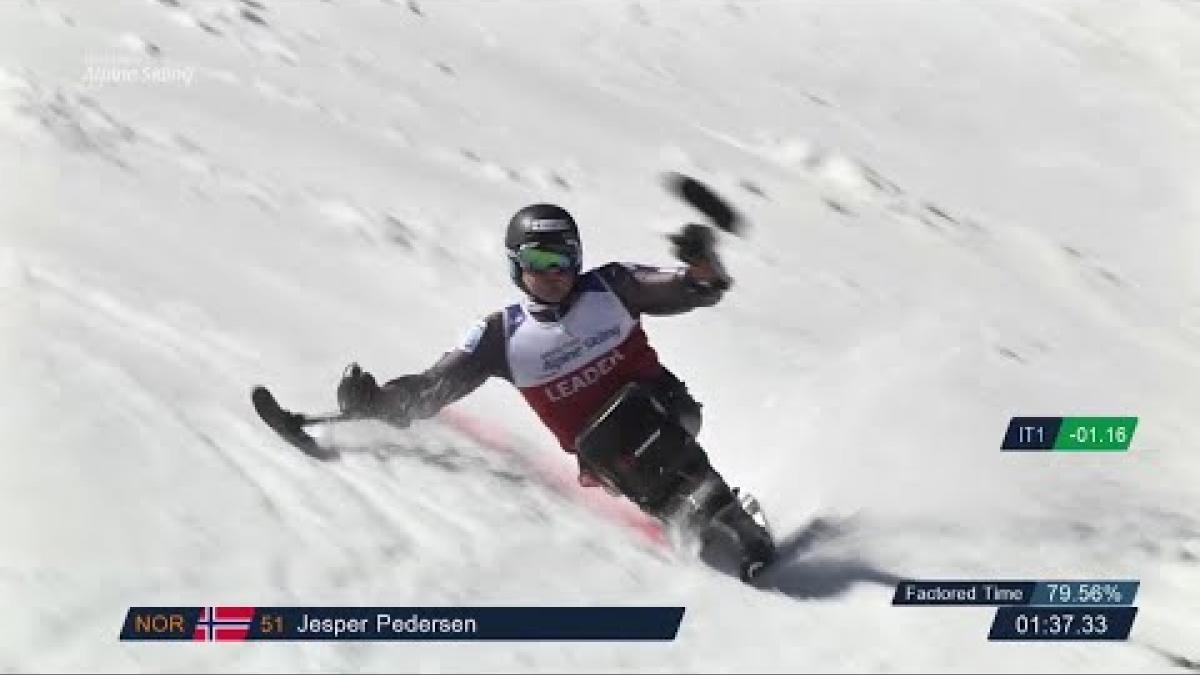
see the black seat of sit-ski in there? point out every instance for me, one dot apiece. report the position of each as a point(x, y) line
point(635, 445)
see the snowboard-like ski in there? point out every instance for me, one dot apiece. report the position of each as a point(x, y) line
point(290, 425)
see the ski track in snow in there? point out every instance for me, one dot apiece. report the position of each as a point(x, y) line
point(960, 231)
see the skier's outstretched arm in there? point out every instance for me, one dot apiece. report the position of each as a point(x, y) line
point(700, 282)
point(659, 290)
point(404, 399)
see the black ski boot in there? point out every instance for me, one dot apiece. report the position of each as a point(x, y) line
point(754, 540)
point(756, 558)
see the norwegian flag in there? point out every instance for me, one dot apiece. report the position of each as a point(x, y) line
point(223, 624)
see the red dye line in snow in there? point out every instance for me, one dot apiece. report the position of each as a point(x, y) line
point(556, 475)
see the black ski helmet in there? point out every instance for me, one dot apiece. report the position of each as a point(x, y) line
point(546, 224)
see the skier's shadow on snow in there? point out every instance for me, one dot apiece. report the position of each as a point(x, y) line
point(800, 569)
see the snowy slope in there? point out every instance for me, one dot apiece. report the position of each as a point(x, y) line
point(962, 212)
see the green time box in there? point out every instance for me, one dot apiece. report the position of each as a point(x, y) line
point(1069, 434)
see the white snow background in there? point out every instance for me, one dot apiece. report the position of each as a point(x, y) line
point(961, 212)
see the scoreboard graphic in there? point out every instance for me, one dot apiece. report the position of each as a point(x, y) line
point(1036, 610)
point(241, 623)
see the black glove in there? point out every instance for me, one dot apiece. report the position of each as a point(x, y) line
point(358, 394)
point(694, 243)
point(697, 245)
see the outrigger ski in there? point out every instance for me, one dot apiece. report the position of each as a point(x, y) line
point(290, 425)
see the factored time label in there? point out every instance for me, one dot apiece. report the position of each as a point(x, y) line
point(1036, 610)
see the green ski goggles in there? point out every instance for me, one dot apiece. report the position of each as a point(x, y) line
point(534, 259)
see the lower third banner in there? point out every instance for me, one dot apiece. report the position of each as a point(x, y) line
point(235, 624)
